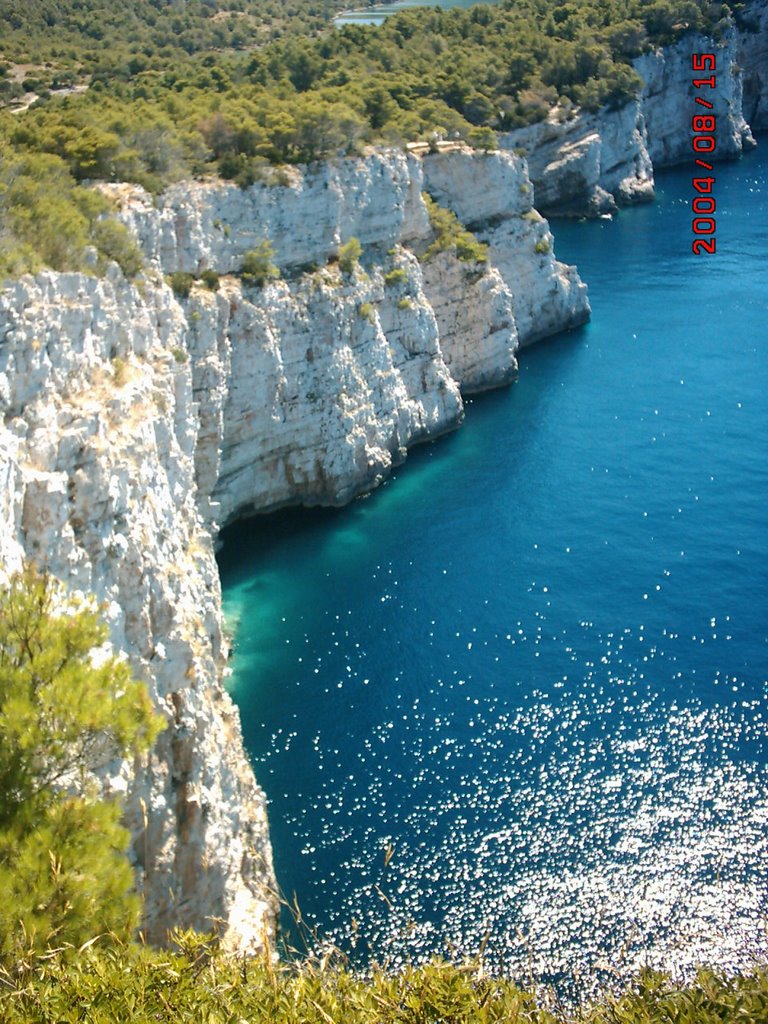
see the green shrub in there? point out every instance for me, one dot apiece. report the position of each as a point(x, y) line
point(404, 304)
point(210, 279)
point(119, 371)
point(115, 242)
point(64, 874)
point(543, 246)
point(257, 267)
point(366, 312)
point(180, 355)
point(349, 255)
point(450, 233)
point(469, 250)
point(483, 138)
point(181, 282)
point(397, 276)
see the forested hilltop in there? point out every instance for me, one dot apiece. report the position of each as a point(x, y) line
point(154, 92)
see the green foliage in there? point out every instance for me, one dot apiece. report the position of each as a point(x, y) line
point(366, 312)
point(349, 255)
point(404, 304)
point(181, 282)
point(65, 877)
point(180, 355)
point(63, 872)
point(210, 279)
point(449, 233)
point(119, 371)
point(115, 242)
point(711, 999)
point(119, 983)
point(258, 268)
point(397, 276)
point(144, 34)
point(167, 94)
point(543, 246)
point(483, 138)
point(45, 219)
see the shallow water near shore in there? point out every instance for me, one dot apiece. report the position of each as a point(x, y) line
point(533, 664)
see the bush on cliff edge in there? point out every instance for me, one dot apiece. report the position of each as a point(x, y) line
point(64, 713)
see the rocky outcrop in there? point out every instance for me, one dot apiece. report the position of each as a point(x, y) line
point(752, 55)
point(546, 295)
point(585, 164)
point(311, 392)
point(134, 424)
point(668, 99)
point(306, 213)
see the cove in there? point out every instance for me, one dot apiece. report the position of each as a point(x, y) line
point(533, 664)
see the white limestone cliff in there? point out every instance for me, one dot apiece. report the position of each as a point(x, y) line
point(546, 295)
point(668, 99)
point(590, 164)
point(752, 55)
point(587, 164)
point(135, 424)
point(97, 445)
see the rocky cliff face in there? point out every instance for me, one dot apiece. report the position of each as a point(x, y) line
point(590, 164)
point(752, 51)
point(134, 424)
point(668, 99)
point(587, 164)
point(97, 449)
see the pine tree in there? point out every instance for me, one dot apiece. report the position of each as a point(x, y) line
point(64, 712)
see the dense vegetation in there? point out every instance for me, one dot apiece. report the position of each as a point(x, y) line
point(76, 31)
point(174, 89)
point(103, 985)
point(64, 874)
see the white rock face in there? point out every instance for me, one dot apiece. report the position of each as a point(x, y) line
point(492, 194)
point(316, 390)
point(97, 449)
point(752, 55)
point(134, 425)
point(592, 163)
point(588, 164)
point(474, 310)
point(668, 99)
point(200, 225)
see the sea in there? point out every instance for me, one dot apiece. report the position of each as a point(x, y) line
point(513, 703)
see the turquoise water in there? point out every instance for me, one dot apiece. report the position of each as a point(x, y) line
point(375, 14)
point(533, 664)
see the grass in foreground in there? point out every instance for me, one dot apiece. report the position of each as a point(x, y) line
point(124, 983)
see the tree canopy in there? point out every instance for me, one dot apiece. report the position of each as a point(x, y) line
point(67, 709)
point(172, 90)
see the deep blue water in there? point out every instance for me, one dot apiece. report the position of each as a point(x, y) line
point(534, 662)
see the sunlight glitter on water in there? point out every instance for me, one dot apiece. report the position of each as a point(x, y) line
point(535, 662)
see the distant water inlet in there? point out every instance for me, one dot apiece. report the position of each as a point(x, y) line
point(532, 666)
point(375, 14)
